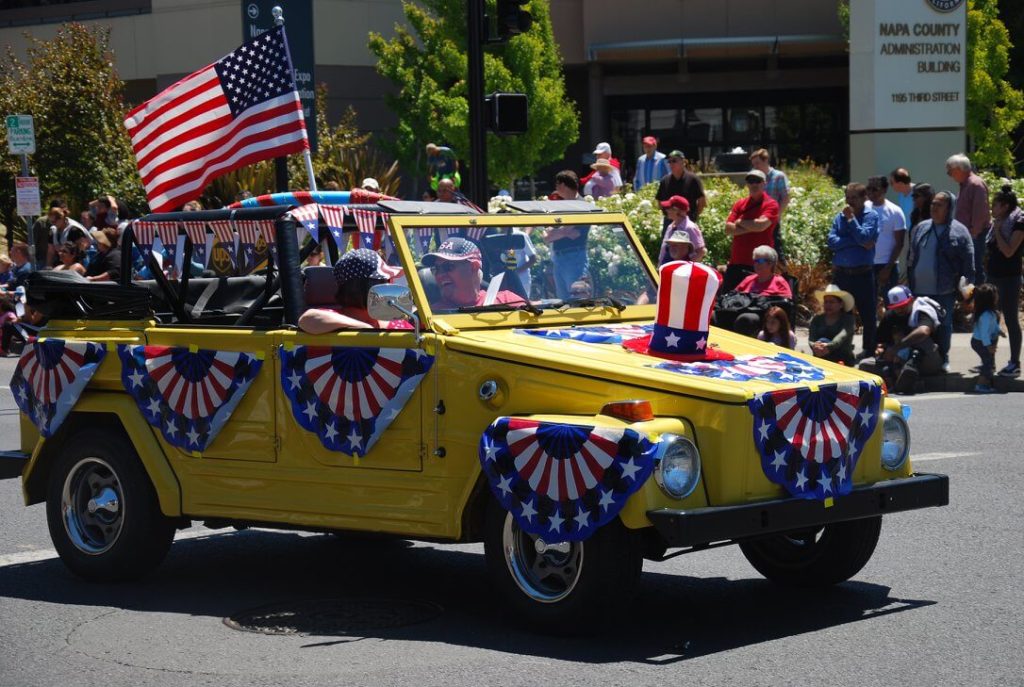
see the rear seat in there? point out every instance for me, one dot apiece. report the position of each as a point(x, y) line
point(319, 288)
point(210, 295)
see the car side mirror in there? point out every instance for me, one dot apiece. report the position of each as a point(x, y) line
point(392, 302)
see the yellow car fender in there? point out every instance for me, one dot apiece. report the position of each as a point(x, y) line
point(95, 409)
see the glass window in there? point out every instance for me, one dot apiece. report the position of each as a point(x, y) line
point(704, 125)
point(744, 124)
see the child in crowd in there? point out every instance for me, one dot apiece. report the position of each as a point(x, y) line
point(8, 317)
point(985, 337)
point(776, 329)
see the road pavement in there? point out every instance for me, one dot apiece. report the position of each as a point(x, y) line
point(940, 602)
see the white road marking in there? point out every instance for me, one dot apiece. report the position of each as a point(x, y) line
point(940, 456)
point(912, 399)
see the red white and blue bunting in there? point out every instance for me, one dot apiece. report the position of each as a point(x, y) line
point(598, 334)
point(810, 440)
point(563, 481)
point(779, 369)
point(349, 396)
point(50, 377)
point(188, 394)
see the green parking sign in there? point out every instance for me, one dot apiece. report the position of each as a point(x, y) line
point(21, 135)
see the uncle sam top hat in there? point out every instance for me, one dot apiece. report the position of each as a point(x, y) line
point(685, 299)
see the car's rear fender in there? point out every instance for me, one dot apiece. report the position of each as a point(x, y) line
point(116, 413)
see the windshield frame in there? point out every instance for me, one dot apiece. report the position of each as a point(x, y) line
point(515, 317)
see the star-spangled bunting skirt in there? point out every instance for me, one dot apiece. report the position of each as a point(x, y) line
point(348, 397)
point(50, 377)
point(561, 481)
point(780, 368)
point(809, 440)
point(187, 394)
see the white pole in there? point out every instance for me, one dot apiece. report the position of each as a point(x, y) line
point(309, 169)
point(278, 14)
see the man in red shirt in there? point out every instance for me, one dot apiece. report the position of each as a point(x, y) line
point(456, 266)
point(751, 223)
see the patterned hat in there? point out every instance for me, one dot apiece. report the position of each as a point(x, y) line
point(897, 297)
point(685, 299)
point(455, 248)
point(361, 263)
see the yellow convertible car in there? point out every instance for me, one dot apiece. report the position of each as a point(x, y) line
point(526, 379)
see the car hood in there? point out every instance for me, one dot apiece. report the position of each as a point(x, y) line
point(759, 367)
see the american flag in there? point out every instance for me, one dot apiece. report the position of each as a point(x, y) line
point(239, 110)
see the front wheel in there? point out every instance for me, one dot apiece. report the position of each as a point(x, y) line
point(815, 558)
point(561, 588)
point(102, 511)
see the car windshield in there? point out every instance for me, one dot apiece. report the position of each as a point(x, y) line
point(470, 269)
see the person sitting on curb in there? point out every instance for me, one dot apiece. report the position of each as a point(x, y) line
point(908, 340)
point(831, 332)
point(765, 281)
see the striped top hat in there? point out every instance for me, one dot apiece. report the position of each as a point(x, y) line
point(685, 299)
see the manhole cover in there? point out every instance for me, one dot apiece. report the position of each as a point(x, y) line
point(333, 617)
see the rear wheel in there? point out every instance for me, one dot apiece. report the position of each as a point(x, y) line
point(561, 587)
point(102, 511)
point(815, 558)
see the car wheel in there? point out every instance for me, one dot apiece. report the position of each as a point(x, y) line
point(102, 511)
point(561, 588)
point(815, 558)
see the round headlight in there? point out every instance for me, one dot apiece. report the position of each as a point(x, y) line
point(678, 468)
point(895, 440)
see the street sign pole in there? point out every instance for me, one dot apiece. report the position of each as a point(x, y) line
point(478, 190)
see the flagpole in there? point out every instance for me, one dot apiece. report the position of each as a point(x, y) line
point(278, 14)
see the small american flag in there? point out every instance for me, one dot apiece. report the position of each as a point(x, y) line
point(239, 110)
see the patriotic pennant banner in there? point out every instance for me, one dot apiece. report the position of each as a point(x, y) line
point(334, 218)
point(349, 396)
point(597, 334)
point(561, 481)
point(168, 234)
point(248, 237)
point(145, 235)
point(50, 377)
point(224, 232)
point(268, 228)
point(308, 217)
point(187, 394)
point(779, 368)
point(810, 440)
point(196, 232)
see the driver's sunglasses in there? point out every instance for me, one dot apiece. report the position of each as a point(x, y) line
point(442, 267)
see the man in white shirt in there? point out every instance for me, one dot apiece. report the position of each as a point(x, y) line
point(892, 233)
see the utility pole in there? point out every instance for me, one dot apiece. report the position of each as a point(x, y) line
point(478, 189)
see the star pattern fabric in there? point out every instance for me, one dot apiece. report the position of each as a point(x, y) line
point(596, 334)
point(361, 263)
point(780, 368)
point(810, 440)
point(257, 72)
point(563, 481)
point(50, 377)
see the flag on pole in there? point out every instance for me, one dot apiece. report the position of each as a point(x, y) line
point(239, 110)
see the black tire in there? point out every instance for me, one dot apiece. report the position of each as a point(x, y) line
point(603, 584)
point(102, 510)
point(816, 558)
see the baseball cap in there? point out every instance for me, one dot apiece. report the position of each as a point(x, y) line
point(898, 296)
point(603, 148)
point(361, 263)
point(650, 141)
point(677, 153)
point(756, 173)
point(679, 236)
point(453, 249)
point(676, 202)
point(371, 184)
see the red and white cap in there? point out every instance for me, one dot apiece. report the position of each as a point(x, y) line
point(686, 297)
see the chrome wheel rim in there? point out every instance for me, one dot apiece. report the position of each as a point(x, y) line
point(92, 506)
point(546, 572)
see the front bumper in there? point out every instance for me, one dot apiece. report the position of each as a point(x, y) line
point(12, 463)
point(725, 523)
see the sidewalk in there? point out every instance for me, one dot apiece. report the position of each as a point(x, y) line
point(961, 359)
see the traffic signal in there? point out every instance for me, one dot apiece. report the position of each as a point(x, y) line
point(506, 113)
point(512, 18)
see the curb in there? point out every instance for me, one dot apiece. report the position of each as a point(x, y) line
point(957, 382)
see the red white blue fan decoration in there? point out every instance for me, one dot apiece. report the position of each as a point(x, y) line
point(779, 368)
point(597, 334)
point(349, 396)
point(188, 394)
point(810, 440)
point(563, 481)
point(50, 377)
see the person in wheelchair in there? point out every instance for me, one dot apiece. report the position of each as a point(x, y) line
point(355, 272)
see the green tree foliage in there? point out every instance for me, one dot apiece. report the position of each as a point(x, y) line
point(428, 67)
point(994, 107)
point(70, 87)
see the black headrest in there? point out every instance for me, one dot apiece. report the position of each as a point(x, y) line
point(319, 286)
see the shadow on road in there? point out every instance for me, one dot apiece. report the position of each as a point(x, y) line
point(675, 618)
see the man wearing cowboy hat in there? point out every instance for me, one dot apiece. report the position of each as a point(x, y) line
point(604, 181)
point(908, 340)
point(831, 332)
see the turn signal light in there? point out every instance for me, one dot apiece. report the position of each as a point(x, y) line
point(631, 411)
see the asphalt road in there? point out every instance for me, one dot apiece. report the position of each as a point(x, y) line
point(940, 603)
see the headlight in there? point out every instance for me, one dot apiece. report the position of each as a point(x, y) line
point(895, 441)
point(678, 468)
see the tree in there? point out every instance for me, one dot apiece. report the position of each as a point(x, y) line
point(429, 71)
point(994, 107)
point(70, 87)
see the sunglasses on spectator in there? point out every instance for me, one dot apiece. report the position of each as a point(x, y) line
point(761, 261)
point(442, 267)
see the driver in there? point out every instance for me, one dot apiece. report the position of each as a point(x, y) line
point(456, 266)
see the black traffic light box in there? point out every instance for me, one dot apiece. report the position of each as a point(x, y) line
point(506, 113)
point(512, 18)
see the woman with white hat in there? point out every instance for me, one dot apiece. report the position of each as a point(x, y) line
point(604, 182)
point(831, 332)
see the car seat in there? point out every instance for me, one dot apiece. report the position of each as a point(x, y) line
point(319, 288)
